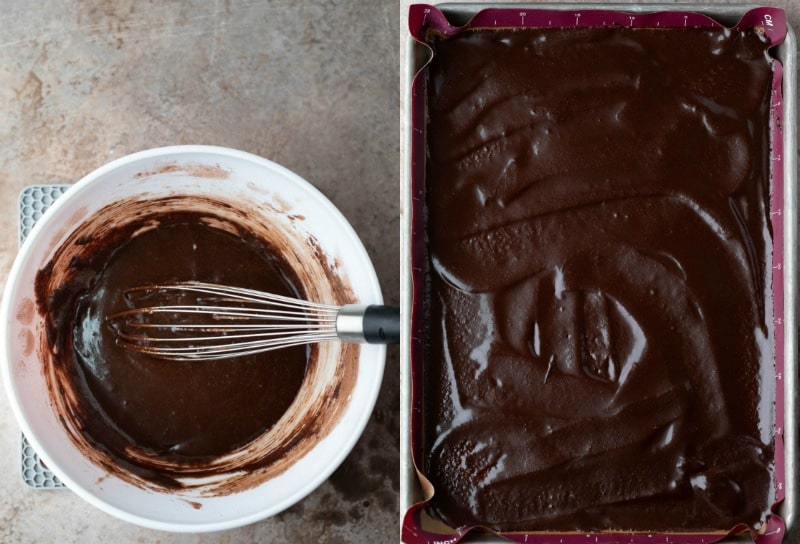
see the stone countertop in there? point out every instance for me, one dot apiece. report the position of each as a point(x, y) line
point(312, 86)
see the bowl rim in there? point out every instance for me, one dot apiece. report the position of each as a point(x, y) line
point(333, 461)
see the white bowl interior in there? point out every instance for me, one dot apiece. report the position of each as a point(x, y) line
point(181, 169)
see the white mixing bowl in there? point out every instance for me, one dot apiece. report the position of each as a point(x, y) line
point(261, 187)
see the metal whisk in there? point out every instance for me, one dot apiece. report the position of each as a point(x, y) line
point(195, 321)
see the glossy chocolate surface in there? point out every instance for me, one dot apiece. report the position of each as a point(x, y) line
point(598, 288)
point(183, 411)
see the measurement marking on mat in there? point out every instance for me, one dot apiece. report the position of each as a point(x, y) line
point(522, 15)
point(632, 18)
point(776, 212)
point(777, 266)
point(425, 13)
point(577, 18)
point(685, 20)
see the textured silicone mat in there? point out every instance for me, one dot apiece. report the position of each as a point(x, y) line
point(33, 202)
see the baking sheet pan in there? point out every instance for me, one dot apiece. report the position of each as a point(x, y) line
point(413, 56)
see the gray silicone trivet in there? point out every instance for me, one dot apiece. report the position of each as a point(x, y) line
point(33, 202)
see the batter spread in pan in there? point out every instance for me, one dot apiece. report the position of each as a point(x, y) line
point(599, 352)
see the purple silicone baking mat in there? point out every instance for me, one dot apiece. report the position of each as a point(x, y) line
point(418, 528)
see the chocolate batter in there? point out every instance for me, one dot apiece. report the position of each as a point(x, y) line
point(183, 412)
point(598, 287)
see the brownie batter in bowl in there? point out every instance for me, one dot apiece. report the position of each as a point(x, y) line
point(128, 400)
point(196, 446)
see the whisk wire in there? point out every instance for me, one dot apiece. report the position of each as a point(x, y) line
point(219, 351)
point(229, 293)
point(192, 321)
point(222, 312)
point(218, 322)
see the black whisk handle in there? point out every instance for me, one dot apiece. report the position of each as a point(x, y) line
point(382, 324)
